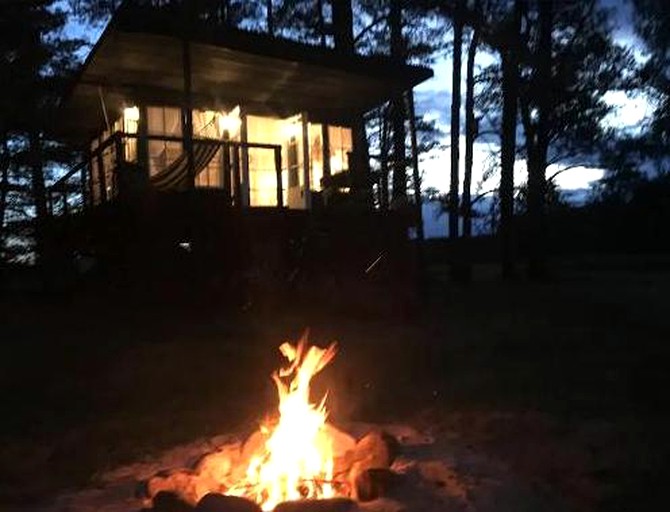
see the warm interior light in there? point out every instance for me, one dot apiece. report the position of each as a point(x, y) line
point(336, 164)
point(131, 114)
point(292, 127)
point(230, 122)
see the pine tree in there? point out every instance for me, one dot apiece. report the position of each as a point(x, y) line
point(37, 59)
point(569, 62)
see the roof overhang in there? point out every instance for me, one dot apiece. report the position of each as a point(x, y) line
point(141, 60)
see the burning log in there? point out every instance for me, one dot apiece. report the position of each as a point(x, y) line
point(179, 483)
point(329, 505)
point(167, 501)
point(219, 465)
point(214, 502)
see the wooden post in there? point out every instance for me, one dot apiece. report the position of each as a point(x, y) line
point(280, 191)
point(187, 116)
point(120, 159)
point(225, 155)
point(83, 186)
point(102, 178)
point(325, 137)
point(244, 135)
point(143, 140)
point(307, 192)
point(91, 191)
point(64, 198)
point(187, 108)
point(237, 182)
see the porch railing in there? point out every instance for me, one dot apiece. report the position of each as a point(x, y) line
point(82, 188)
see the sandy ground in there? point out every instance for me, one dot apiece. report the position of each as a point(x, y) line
point(434, 474)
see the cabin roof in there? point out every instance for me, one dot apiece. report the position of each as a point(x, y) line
point(140, 58)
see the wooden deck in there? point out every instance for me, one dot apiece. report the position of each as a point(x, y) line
point(179, 234)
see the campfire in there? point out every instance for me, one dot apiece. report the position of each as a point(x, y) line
point(297, 456)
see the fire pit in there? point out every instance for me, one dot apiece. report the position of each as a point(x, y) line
point(299, 462)
point(297, 457)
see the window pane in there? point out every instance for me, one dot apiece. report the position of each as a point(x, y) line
point(163, 121)
point(340, 147)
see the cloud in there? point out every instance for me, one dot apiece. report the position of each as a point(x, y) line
point(436, 165)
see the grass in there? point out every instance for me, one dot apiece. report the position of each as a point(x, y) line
point(563, 380)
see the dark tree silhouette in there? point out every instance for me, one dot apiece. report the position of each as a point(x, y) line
point(398, 109)
point(510, 47)
point(568, 64)
point(470, 131)
point(454, 181)
point(32, 76)
point(652, 19)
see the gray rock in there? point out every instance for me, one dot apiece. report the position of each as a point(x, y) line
point(371, 484)
point(214, 502)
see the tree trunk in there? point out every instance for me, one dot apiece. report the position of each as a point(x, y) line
point(455, 123)
point(416, 177)
point(343, 26)
point(38, 190)
point(270, 17)
point(398, 110)
point(470, 132)
point(510, 92)
point(322, 23)
point(537, 150)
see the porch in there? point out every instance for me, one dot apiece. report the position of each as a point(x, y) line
point(107, 174)
point(252, 160)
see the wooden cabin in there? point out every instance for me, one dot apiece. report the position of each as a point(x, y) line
point(186, 113)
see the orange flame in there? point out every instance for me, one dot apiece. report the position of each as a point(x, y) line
point(296, 461)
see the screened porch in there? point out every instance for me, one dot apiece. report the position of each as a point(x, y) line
point(251, 160)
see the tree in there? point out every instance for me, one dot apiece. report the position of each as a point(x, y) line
point(537, 138)
point(404, 31)
point(458, 24)
point(652, 19)
point(509, 49)
point(37, 59)
point(470, 131)
point(398, 109)
point(259, 15)
point(569, 62)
